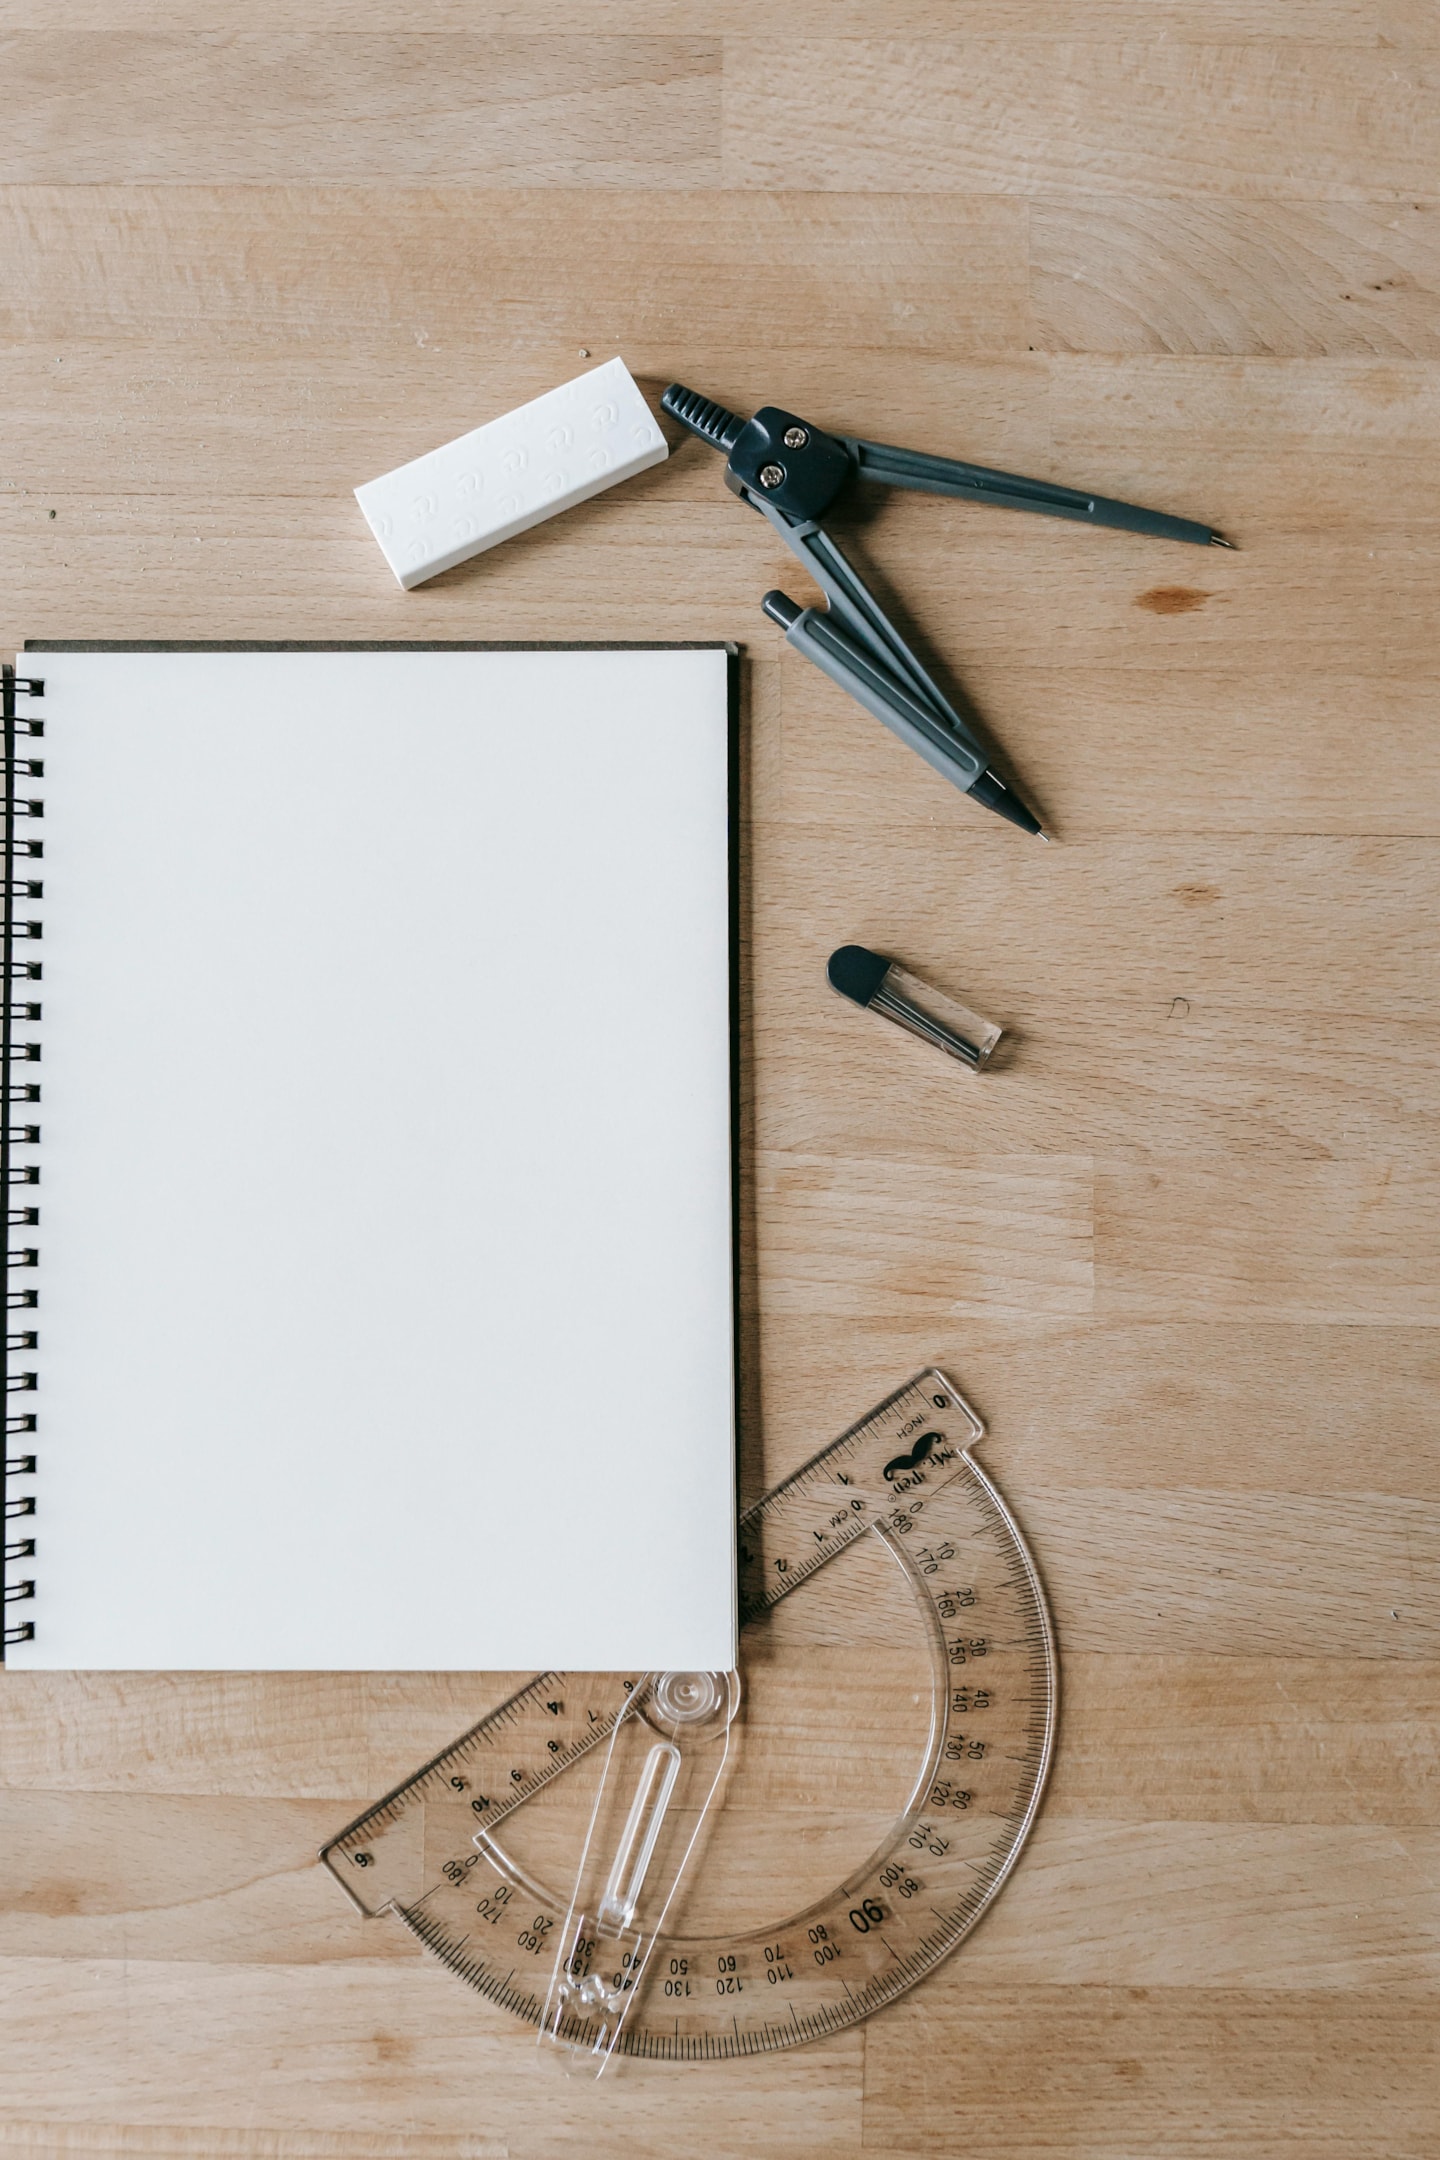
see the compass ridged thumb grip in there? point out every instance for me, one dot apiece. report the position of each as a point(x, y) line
point(713, 423)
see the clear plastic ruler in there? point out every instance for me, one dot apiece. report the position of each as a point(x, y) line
point(665, 1865)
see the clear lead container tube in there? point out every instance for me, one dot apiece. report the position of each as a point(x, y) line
point(883, 986)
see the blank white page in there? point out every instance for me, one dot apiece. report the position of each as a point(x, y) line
point(385, 1241)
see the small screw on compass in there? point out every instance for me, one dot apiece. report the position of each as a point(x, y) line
point(771, 475)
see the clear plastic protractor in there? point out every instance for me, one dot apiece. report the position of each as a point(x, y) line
point(897, 1722)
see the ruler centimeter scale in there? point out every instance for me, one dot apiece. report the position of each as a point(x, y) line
point(429, 1852)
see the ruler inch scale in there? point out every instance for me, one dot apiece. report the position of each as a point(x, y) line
point(904, 1476)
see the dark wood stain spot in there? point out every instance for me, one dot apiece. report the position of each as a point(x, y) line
point(392, 2048)
point(1196, 895)
point(1172, 599)
point(57, 1900)
point(1171, 1395)
point(1383, 386)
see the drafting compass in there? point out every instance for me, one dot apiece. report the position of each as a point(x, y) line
point(896, 1653)
point(794, 473)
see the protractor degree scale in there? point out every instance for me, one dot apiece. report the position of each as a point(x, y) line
point(893, 1526)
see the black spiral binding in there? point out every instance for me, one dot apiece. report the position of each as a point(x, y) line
point(19, 1013)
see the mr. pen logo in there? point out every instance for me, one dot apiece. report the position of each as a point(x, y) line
point(922, 1452)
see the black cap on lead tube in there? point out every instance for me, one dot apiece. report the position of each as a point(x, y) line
point(856, 972)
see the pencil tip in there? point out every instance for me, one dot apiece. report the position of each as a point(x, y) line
point(1219, 540)
point(1041, 834)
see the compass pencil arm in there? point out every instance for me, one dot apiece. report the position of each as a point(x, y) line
point(851, 600)
point(849, 665)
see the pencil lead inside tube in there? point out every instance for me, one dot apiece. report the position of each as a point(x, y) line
point(868, 978)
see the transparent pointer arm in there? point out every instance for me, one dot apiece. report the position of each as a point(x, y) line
point(663, 1768)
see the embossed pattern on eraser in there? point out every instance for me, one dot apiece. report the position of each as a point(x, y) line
point(511, 473)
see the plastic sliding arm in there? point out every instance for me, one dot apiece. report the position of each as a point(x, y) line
point(889, 466)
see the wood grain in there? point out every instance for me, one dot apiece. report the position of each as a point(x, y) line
point(1138, 116)
point(213, 2141)
point(402, 267)
point(568, 111)
point(1163, 275)
point(1320, 24)
point(1126, 2073)
point(1179, 1243)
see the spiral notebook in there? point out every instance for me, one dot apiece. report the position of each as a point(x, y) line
point(367, 1157)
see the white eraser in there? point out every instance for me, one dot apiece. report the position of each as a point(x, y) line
point(503, 478)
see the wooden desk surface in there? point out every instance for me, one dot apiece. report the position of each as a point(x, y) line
point(1182, 1249)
